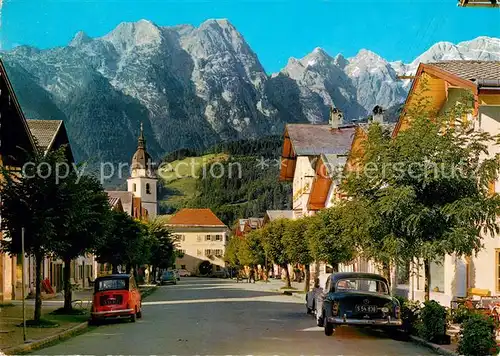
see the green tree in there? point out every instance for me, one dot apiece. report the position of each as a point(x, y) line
point(32, 199)
point(272, 241)
point(82, 224)
point(162, 246)
point(428, 187)
point(251, 252)
point(124, 243)
point(296, 245)
point(327, 239)
point(232, 251)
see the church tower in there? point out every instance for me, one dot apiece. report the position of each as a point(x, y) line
point(143, 181)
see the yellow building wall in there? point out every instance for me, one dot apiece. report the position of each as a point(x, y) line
point(193, 242)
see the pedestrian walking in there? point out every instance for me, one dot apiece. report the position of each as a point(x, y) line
point(251, 276)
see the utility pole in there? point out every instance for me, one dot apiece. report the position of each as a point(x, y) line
point(22, 288)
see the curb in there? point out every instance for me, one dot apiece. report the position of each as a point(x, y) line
point(38, 344)
point(437, 348)
point(148, 291)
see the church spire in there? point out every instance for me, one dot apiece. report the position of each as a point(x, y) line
point(142, 140)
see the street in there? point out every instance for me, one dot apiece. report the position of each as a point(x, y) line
point(213, 316)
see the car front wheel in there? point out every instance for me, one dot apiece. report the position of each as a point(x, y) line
point(329, 328)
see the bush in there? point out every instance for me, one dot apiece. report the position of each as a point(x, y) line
point(477, 336)
point(410, 314)
point(433, 325)
point(460, 314)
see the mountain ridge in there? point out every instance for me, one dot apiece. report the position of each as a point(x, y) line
point(196, 86)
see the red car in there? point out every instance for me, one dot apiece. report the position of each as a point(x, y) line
point(116, 296)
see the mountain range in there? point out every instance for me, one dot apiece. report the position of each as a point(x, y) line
point(195, 86)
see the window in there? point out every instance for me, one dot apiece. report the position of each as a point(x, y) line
point(135, 187)
point(183, 251)
point(218, 237)
point(148, 188)
point(183, 266)
point(208, 252)
point(218, 252)
point(363, 285)
point(217, 268)
point(112, 284)
point(207, 238)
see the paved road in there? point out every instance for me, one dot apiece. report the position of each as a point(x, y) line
point(210, 316)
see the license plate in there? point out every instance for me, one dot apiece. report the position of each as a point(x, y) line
point(111, 301)
point(366, 308)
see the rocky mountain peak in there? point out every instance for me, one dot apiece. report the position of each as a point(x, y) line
point(128, 35)
point(317, 57)
point(80, 39)
point(195, 86)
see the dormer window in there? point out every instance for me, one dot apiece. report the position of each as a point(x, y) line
point(148, 188)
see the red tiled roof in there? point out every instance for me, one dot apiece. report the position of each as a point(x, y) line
point(195, 217)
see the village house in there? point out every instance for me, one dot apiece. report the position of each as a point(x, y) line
point(15, 141)
point(314, 158)
point(50, 135)
point(201, 237)
point(244, 226)
point(445, 84)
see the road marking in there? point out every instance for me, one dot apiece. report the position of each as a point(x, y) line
point(271, 299)
point(314, 328)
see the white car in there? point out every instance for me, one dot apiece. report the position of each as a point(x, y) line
point(184, 272)
point(314, 298)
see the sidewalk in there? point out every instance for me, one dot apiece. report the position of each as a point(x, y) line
point(11, 316)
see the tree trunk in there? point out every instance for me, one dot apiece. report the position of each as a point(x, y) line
point(427, 269)
point(38, 287)
point(67, 284)
point(287, 276)
point(386, 268)
point(153, 273)
point(114, 268)
point(308, 277)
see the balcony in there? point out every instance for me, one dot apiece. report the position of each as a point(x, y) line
point(479, 3)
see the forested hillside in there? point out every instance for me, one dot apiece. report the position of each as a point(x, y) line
point(242, 184)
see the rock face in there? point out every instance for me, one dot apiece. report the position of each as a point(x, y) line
point(195, 86)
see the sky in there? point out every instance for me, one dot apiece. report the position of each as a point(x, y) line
point(276, 30)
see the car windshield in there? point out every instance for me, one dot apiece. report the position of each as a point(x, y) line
point(362, 285)
point(111, 284)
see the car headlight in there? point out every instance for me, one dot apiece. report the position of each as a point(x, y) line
point(385, 309)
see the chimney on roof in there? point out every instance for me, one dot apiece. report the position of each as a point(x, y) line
point(336, 118)
point(378, 114)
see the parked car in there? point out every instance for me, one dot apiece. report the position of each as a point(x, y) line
point(168, 277)
point(314, 297)
point(184, 273)
point(115, 296)
point(358, 299)
point(176, 274)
